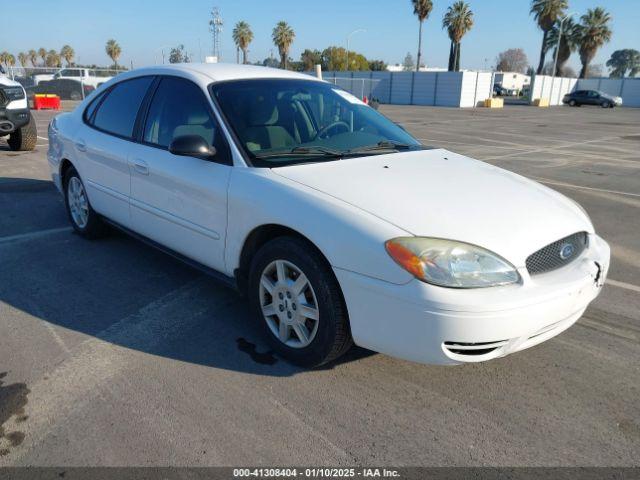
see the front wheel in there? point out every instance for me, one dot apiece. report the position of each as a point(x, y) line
point(605, 104)
point(84, 219)
point(25, 138)
point(298, 302)
point(572, 103)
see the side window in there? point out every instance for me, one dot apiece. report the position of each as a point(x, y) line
point(117, 113)
point(90, 110)
point(179, 107)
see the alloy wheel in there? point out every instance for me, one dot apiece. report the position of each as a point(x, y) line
point(78, 203)
point(289, 304)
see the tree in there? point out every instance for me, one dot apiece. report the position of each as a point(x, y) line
point(595, 71)
point(33, 57)
point(113, 51)
point(458, 21)
point(311, 58)
point(422, 9)
point(23, 58)
point(408, 62)
point(546, 13)
point(67, 53)
point(270, 62)
point(512, 60)
point(594, 33)
point(242, 36)
point(335, 58)
point(42, 52)
point(569, 42)
point(377, 65)
point(282, 37)
point(4, 58)
point(178, 55)
point(623, 60)
point(53, 59)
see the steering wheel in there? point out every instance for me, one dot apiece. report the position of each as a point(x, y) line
point(323, 133)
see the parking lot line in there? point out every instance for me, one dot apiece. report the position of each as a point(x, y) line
point(28, 236)
point(627, 286)
point(580, 187)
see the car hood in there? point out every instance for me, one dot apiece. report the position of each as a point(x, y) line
point(437, 193)
point(7, 82)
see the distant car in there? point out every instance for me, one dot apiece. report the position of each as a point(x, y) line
point(88, 76)
point(338, 224)
point(66, 89)
point(501, 91)
point(591, 97)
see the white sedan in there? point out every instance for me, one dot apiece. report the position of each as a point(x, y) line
point(340, 226)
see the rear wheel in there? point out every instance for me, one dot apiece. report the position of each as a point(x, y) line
point(298, 303)
point(24, 138)
point(84, 219)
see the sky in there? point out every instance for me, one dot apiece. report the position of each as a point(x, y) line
point(144, 27)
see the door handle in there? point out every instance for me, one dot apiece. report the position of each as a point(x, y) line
point(141, 167)
point(81, 146)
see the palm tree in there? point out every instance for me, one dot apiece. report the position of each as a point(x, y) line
point(33, 57)
point(11, 60)
point(113, 50)
point(421, 8)
point(53, 59)
point(458, 21)
point(569, 42)
point(4, 58)
point(67, 53)
point(23, 58)
point(283, 36)
point(242, 36)
point(546, 13)
point(594, 33)
point(43, 54)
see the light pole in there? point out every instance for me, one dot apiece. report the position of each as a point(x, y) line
point(555, 60)
point(161, 50)
point(359, 30)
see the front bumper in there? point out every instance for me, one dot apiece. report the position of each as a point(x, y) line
point(19, 117)
point(430, 324)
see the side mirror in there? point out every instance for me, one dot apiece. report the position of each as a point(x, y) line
point(192, 146)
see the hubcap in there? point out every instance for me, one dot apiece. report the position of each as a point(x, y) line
point(78, 204)
point(289, 304)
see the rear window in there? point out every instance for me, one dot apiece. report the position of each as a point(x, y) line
point(118, 111)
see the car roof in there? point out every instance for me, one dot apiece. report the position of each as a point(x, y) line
point(218, 72)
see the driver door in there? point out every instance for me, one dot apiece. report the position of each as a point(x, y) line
point(179, 201)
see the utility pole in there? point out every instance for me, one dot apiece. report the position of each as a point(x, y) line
point(555, 60)
point(215, 27)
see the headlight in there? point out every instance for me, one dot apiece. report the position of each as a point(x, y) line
point(14, 93)
point(448, 263)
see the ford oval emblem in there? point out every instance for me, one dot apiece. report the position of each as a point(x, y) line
point(566, 250)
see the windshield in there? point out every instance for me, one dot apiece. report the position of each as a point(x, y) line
point(282, 121)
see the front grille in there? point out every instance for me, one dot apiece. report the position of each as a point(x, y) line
point(557, 254)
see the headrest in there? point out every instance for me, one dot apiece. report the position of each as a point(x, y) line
point(263, 111)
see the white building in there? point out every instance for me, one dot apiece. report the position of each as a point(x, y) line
point(512, 80)
point(398, 67)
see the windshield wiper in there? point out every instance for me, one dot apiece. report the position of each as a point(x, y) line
point(382, 146)
point(303, 151)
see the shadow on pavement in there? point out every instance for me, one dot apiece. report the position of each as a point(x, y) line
point(122, 291)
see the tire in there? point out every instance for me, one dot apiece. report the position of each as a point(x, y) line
point(605, 104)
point(25, 138)
point(572, 103)
point(328, 335)
point(93, 226)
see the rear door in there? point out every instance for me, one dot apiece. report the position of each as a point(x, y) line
point(103, 143)
point(178, 201)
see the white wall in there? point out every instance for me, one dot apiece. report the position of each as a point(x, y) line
point(447, 89)
point(554, 88)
